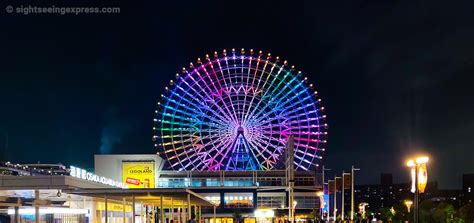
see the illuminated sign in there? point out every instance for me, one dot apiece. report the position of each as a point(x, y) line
point(84, 175)
point(422, 177)
point(138, 174)
point(324, 203)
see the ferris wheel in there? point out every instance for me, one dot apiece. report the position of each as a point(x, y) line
point(235, 111)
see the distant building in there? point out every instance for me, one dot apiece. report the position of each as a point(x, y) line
point(388, 194)
point(468, 187)
point(454, 197)
point(12, 169)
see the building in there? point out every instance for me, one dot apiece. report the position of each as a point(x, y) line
point(81, 196)
point(248, 191)
point(12, 169)
point(137, 170)
point(459, 197)
point(388, 194)
point(468, 187)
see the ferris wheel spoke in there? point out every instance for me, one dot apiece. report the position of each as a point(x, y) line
point(266, 93)
point(274, 94)
point(194, 150)
point(204, 100)
point(216, 148)
point(277, 102)
point(270, 139)
point(257, 87)
point(295, 110)
point(193, 137)
point(242, 116)
point(217, 90)
point(266, 159)
point(228, 72)
point(197, 108)
point(259, 163)
point(225, 83)
point(291, 120)
point(275, 146)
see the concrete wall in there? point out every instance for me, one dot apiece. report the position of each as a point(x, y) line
point(110, 166)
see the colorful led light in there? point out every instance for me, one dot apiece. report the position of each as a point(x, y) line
point(236, 112)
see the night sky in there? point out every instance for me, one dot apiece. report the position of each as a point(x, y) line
point(396, 77)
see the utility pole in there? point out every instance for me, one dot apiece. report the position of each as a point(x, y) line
point(329, 203)
point(324, 170)
point(352, 191)
point(343, 195)
point(417, 194)
point(335, 197)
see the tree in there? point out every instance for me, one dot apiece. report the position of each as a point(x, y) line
point(387, 214)
point(427, 209)
point(455, 220)
point(401, 213)
point(443, 212)
point(466, 212)
point(237, 215)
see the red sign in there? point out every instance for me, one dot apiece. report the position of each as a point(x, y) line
point(132, 181)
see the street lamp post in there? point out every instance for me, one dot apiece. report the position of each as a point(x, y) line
point(329, 201)
point(343, 195)
point(323, 177)
point(335, 197)
point(352, 191)
point(415, 164)
point(293, 209)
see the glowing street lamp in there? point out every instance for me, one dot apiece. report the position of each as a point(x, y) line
point(419, 180)
point(408, 203)
point(362, 209)
point(293, 208)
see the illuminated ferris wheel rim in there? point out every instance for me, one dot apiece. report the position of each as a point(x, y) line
point(217, 71)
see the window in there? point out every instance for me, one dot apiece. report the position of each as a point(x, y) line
point(307, 201)
point(272, 201)
point(236, 200)
point(212, 197)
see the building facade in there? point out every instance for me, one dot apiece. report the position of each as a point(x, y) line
point(258, 196)
point(247, 192)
